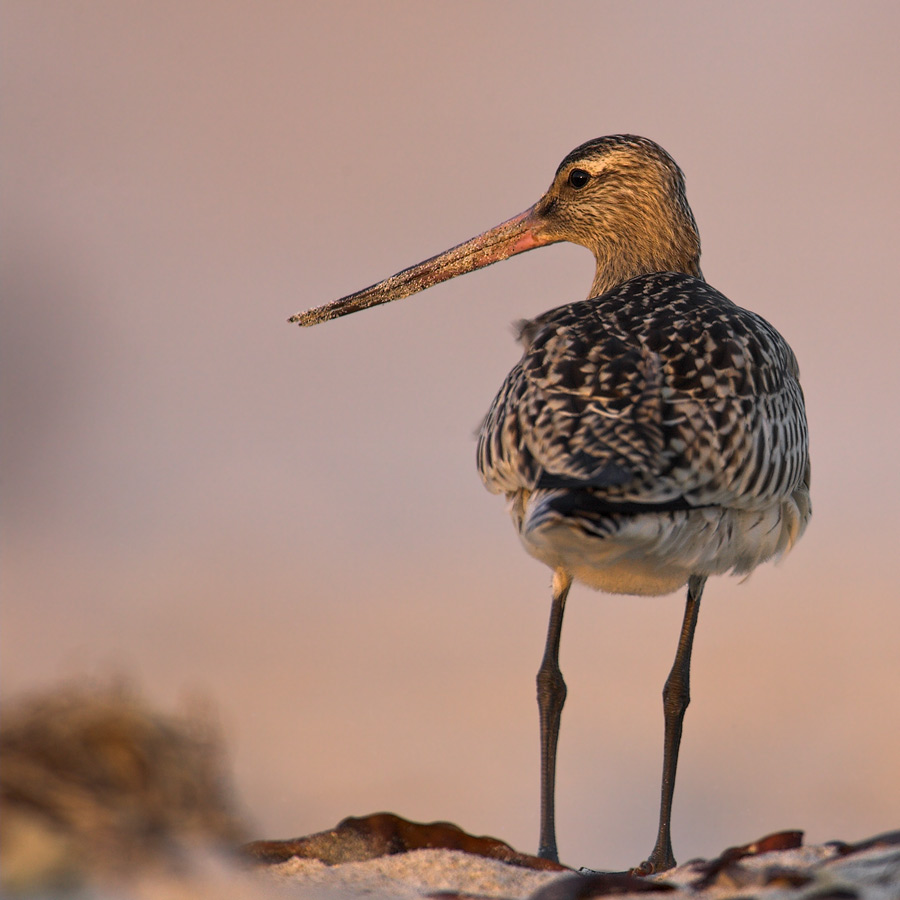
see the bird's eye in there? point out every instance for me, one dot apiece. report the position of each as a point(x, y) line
point(578, 178)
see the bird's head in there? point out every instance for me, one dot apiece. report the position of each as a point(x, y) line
point(623, 198)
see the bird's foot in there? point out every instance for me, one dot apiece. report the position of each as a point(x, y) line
point(548, 851)
point(658, 862)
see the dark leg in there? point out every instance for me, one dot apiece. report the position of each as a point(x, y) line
point(676, 697)
point(551, 694)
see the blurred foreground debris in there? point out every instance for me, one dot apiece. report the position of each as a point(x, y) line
point(777, 865)
point(96, 786)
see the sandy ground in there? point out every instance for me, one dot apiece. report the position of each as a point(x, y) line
point(874, 873)
point(104, 796)
point(803, 874)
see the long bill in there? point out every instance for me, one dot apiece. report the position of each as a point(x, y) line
point(516, 235)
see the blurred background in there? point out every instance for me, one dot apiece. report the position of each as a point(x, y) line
point(206, 500)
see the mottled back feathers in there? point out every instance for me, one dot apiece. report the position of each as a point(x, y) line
point(661, 391)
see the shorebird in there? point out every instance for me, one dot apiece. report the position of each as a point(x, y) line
point(651, 435)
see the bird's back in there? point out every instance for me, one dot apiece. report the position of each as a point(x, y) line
point(652, 433)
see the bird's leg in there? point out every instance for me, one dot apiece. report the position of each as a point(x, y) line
point(676, 697)
point(551, 695)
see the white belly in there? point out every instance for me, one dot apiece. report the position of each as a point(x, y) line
point(655, 553)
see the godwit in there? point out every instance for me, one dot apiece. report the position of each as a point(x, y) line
point(651, 435)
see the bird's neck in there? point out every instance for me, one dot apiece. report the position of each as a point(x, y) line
point(655, 235)
point(611, 274)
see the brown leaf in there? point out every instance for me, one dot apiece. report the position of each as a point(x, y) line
point(888, 839)
point(780, 840)
point(384, 834)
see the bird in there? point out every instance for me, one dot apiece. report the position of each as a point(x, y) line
point(651, 435)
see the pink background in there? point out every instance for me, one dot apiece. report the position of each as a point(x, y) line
point(201, 497)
